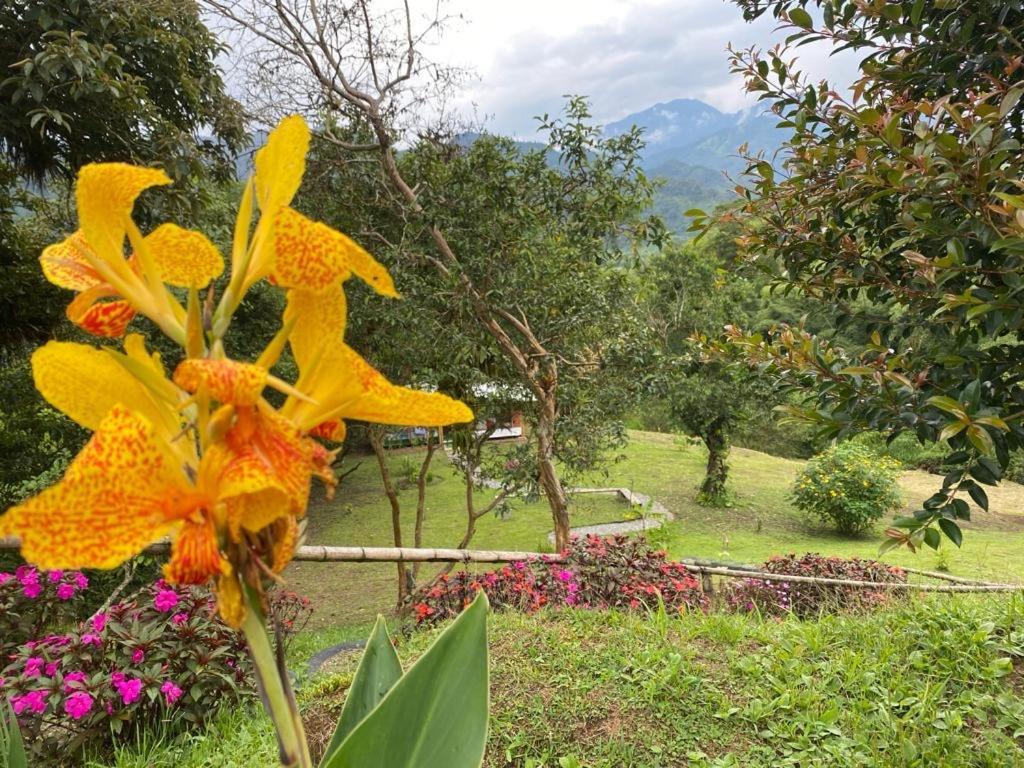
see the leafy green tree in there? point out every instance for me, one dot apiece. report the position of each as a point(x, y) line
point(697, 294)
point(905, 192)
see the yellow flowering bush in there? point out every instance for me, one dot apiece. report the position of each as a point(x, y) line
point(198, 455)
point(848, 486)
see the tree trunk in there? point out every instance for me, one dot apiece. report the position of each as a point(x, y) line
point(376, 441)
point(558, 501)
point(421, 499)
point(716, 438)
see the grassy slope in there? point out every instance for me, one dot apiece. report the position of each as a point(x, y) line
point(760, 523)
point(927, 684)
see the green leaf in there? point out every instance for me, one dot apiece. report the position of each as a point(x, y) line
point(12, 747)
point(952, 530)
point(436, 714)
point(981, 439)
point(378, 671)
point(949, 405)
point(977, 493)
point(801, 18)
point(932, 537)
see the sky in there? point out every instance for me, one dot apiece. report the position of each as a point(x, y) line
point(626, 55)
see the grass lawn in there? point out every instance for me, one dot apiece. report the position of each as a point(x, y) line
point(761, 522)
point(928, 683)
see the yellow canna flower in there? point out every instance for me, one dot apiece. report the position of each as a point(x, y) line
point(202, 457)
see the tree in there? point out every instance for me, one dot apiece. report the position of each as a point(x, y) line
point(363, 67)
point(907, 193)
point(697, 293)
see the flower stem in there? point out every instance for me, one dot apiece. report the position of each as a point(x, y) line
point(277, 697)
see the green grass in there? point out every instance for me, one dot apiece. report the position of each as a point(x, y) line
point(760, 522)
point(929, 683)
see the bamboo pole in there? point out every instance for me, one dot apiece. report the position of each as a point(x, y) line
point(325, 554)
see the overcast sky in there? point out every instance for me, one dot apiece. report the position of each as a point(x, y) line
point(625, 55)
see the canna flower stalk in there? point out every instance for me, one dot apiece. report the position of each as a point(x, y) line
point(199, 454)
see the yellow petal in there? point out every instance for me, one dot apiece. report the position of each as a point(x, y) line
point(226, 381)
point(317, 318)
point(281, 163)
point(184, 257)
point(65, 264)
point(230, 604)
point(106, 194)
point(116, 497)
point(345, 386)
point(86, 383)
point(106, 319)
point(311, 255)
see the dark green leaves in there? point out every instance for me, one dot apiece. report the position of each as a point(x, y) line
point(12, 747)
point(801, 18)
point(952, 530)
point(436, 713)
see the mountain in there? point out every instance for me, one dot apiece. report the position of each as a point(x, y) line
point(691, 146)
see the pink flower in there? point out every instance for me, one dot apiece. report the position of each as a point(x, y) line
point(129, 688)
point(73, 677)
point(179, 618)
point(564, 574)
point(27, 575)
point(66, 591)
point(55, 576)
point(5, 577)
point(116, 677)
point(166, 600)
point(31, 590)
point(33, 701)
point(89, 639)
point(51, 668)
point(33, 666)
point(78, 705)
point(138, 656)
point(80, 580)
point(171, 692)
point(99, 621)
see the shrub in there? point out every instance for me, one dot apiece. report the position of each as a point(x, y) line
point(613, 572)
point(32, 601)
point(848, 486)
point(807, 599)
point(162, 656)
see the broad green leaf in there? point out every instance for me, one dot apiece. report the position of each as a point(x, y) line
point(378, 671)
point(952, 531)
point(949, 405)
point(12, 747)
point(977, 493)
point(981, 439)
point(436, 714)
point(932, 537)
point(801, 18)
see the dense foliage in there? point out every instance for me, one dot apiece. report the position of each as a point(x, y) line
point(599, 573)
point(904, 192)
point(848, 486)
point(804, 599)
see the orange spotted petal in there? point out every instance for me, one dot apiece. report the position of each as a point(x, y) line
point(195, 554)
point(343, 385)
point(107, 319)
point(106, 194)
point(333, 430)
point(322, 461)
point(226, 381)
point(285, 537)
point(184, 257)
point(309, 254)
point(116, 497)
point(318, 319)
point(280, 164)
point(65, 264)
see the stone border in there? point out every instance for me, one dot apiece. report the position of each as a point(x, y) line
point(655, 514)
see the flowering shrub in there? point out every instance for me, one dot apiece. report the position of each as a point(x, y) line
point(162, 656)
point(613, 572)
point(849, 486)
point(807, 599)
point(32, 601)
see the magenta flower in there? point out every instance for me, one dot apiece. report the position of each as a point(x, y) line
point(51, 668)
point(31, 590)
point(5, 577)
point(129, 688)
point(179, 618)
point(99, 621)
point(80, 580)
point(564, 574)
point(33, 701)
point(33, 666)
point(138, 655)
point(166, 600)
point(78, 705)
point(27, 575)
point(66, 591)
point(89, 639)
point(73, 677)
point(55, 576)
point(170, 691)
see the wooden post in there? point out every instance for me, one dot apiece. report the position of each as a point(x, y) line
point(707, 585)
